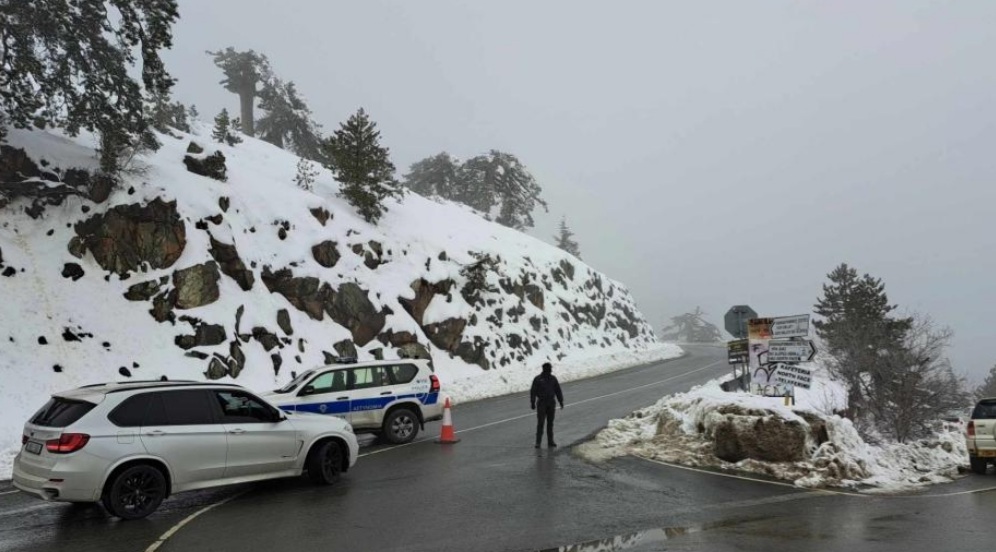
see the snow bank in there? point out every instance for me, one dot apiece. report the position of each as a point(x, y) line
point(680, 429)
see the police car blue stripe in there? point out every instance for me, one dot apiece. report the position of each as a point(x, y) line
point(358, 405)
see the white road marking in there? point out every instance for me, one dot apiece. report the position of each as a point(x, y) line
point(9, 492)
point(172, 530)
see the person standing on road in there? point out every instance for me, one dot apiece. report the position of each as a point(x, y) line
point(543, 398)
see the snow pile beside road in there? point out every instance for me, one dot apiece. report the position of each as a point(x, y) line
point(505, 382)
point(804, 444)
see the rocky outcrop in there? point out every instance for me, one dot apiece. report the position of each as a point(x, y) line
point(322, 215)
point(196, 286)
point(231, 264)
point(307, 294)
point(72, 271)
point(284, 321)
point(345, 349)
point(205, 335)
point(326, 253)
point(211, 166)
point(424, 292)
point(742, 434)
point(129, 237)
point(352, 309)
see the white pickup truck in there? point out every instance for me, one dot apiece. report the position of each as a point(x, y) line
point(980, 436)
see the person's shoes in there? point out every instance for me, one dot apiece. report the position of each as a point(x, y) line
point(552, 445)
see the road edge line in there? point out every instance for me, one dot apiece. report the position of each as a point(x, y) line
point(173, 530)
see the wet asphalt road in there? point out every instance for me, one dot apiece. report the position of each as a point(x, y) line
point(494, 491)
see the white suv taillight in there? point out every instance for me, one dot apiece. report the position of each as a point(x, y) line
point(68, 442)
point(971, 428)
point(433, 383)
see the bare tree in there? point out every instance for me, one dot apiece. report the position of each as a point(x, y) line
point(911, 385)
point(988, 387)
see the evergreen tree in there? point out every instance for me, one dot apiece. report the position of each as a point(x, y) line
point(164, 114)
point(499, 181)
point(857, 327)
point(988, 387)
point(306, 174)
point(287, 122)
point(223, 129)
point(361, 165)
point(434, 176)
point(66, 63)
point(565, 239)
point(244, 73)
point(193, 114)
point(692, 328)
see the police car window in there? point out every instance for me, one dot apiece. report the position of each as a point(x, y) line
point(402, 373)
point(329, 382)
point(371, 376)
point(238, 407)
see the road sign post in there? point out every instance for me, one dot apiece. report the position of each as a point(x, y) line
point(735, 322)
point(736, 319)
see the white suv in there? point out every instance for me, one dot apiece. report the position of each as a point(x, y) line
point(130, 445)
point(394, 398)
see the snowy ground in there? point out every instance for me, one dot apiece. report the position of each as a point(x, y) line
point(673, 430)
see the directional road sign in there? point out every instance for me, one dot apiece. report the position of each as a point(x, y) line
point(737, 351)
point(790, 326)
point(791, 351)
point(797, 376)
point(736, 320)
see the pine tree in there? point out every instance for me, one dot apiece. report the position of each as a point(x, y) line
point(434, 176)
point(361, 165)
point(287, 122)
point(193, 114)
point(692, 328)
point(164, 114)
point(857, 327)
point(499, 181)
point(223, 132)
point(244, 72)
point(565, 239)
point(68, 64)
point(988, 387)
point(306, 174)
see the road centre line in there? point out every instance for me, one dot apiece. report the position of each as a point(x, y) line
point(9, 492)
point(173, 530)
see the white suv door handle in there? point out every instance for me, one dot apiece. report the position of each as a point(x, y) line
point(342, 398)
point(155, 433)
point(237, 431)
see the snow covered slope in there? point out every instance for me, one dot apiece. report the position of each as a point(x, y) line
point(252, 278)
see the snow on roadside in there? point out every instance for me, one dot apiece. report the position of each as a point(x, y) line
point(679, 429)
point(505, 382)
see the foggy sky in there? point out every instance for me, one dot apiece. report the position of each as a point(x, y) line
point(705, 153)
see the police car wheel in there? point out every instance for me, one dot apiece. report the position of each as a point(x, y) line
point(325, 463)
point(400, 426)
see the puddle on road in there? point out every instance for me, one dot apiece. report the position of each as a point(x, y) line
point(641, 539)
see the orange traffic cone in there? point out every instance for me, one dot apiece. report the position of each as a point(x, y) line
point(447, 435)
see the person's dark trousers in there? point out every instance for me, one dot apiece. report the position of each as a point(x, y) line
point(545, 413)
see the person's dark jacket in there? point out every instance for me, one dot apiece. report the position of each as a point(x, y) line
point(545, 389)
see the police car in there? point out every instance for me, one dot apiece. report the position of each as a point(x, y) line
point(393, 398)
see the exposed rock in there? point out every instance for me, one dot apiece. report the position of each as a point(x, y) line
point(144, 291)
point(196, 354)
point(307, 294)
point(128, 236)
point(231, 264)
point(352, 309)
point(238, 318)
point(215, 219)
point(224, 203)
point(162, 307)
point(9, 271)
point(375, 257)
point(211, 166)
point(446, 334)
point(345, 349)
point(73, 271)
point(414, 350)
point(397, 339)
point(377, 353)
point(124, 372)
point(101, 188)
point(424, 292)
point(326, 253)
point(196, 286)
point(473, 353)
point(42, 340)
point(237, 360)
point(266, 338)
point(567, 267)
point(534, 294)
point(329, 358)
point(321, 214)
point(284, 321)
point(216, 369)
point(205, 335)
point(195, 148)
point(277, 362)
point(764, 438)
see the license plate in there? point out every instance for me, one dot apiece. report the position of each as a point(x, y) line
point(987, 453)
point(33, 447)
